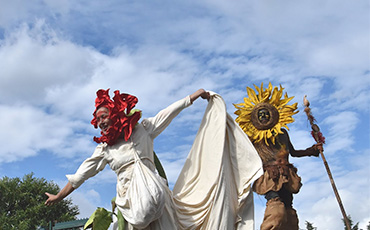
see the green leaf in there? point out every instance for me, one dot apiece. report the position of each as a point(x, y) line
point(113, 202)
point(121, 221)
point(99, 220)
point(90, 221)
point(159, 166)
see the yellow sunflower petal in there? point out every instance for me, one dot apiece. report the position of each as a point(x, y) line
point(248, 103)
point(275, 97)
point(259, 92)
point(266, 94)
point(252, 95)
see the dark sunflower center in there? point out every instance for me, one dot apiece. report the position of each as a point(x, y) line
point(264, 116)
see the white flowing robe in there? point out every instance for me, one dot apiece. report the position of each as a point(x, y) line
point(213, 189)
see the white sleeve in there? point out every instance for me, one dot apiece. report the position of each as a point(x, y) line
point(155, 125)
point(89, 168)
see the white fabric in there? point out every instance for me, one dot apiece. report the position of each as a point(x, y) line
point(213, 190)
point(147, 188)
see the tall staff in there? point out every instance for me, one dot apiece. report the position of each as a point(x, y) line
point(319, 138)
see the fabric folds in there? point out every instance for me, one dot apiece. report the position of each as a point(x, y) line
point(145, 198)
point(213, 190)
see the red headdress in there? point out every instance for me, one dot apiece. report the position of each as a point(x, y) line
point(121, 113)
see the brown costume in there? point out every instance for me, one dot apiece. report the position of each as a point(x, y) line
point(279, 182)
point(262, 117)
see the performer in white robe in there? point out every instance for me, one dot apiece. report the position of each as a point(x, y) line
point(213, 189)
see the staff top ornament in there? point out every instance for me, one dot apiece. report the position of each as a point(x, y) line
point(263, 114)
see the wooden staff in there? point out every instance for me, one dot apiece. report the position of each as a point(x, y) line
point(319, 138)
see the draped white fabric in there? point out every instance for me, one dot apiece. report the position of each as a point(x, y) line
point(148, 188)
point(213, 190)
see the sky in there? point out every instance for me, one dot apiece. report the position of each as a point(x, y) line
point(55, 55)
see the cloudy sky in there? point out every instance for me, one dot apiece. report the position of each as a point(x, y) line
point(54, 56)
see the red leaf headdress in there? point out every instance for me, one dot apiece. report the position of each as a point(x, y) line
point(121, 113)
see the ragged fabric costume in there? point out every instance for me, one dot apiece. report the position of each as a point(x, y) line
point(279, 182)
point(262, 117)
point(214, 187)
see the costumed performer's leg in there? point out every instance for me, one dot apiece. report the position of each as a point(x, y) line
point(292, 219)
point(168, 220)
point(291, 215)
point(275, 215)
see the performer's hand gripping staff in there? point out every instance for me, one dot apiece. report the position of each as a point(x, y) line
point(320, 139)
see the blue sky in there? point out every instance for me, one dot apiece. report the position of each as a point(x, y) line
point(55, 55)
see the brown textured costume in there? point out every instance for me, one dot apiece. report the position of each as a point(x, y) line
point(262, 117)
point(279, 182)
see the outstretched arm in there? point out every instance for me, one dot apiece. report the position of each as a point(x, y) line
point(53, 199)
point(311, 151)
point(199, 93)
point(155, 125)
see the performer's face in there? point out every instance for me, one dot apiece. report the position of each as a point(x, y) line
point(102, 118)
point(263, 116)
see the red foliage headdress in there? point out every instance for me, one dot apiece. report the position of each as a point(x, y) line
point(121, 113)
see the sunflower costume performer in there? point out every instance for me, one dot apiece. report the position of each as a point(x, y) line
point(264, 116)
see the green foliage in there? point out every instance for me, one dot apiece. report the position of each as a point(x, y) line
point(121, 221)
point(159, 166)
point(309, 226)
point(99, 220)
point(355, 227)
point(22, 203)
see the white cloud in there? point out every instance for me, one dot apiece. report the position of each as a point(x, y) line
point(28, 130)
point(35, 59)
point(86, 202)
point(341, 126)
point(13, 11)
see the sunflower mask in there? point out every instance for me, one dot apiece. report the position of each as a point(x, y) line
point(262, 115)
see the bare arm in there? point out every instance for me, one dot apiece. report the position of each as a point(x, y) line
point(199, 93)
point(311, 151)
point(53, 199)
